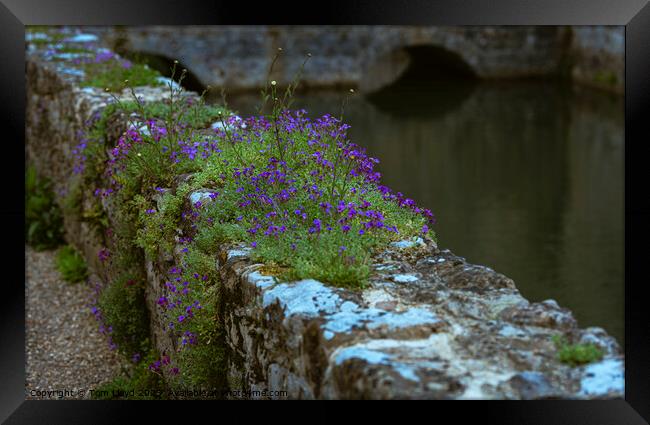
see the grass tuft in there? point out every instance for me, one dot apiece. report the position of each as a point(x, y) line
point(71, 265)
point(576, 354)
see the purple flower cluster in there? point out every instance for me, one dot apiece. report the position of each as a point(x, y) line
point(165, 361)
point(286, 181)
point(103, 255)
point(179, 308)
point(104, 328)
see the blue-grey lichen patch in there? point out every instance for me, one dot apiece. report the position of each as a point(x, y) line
point(140, 127)
point(311, 298)
point(259, 280)
point(603, 378)
point(376, 357)
point(90, 90)
point(225, 123)
point(430, 261)
point(509, 331)
point(345, 321)
point(72, 71)
point(374, 318)
point(386, 267)
point(411, 317)
point(405, 357)
point(355, 352)
point(404, 278)
point(238, 254)
point(307, 297)
point(167, 81)
point(202, 196)
point(82, 38)
point(408, 243)
point(70, 56)
point(36, 36)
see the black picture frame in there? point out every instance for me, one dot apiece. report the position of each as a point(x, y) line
point(633, 14)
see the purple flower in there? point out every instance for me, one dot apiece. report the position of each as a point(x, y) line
point(103, 254)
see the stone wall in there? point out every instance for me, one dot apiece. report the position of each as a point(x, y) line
point(428, 325)
point(371, 57)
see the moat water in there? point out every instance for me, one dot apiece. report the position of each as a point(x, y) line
point(525, 177)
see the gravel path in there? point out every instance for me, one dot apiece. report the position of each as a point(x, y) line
point(65, 350)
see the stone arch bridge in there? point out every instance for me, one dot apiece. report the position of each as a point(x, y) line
point(371, 57)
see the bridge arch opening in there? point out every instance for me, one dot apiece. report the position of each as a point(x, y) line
point(164, 65)
point(428, 62)
point(434, 78)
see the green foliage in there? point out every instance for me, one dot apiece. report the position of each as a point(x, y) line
point(139, 383)
point(158, 223)
point(73, 49)
point(112, 74)
point(39, 28)
point(576, 354)
point(123, 306)
point(333, 268)
point(209, 238)
point(71, 265)
point(43, 218)
point(52, 37)
point(204, 365)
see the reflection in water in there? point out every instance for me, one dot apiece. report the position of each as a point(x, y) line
point(524, 177)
